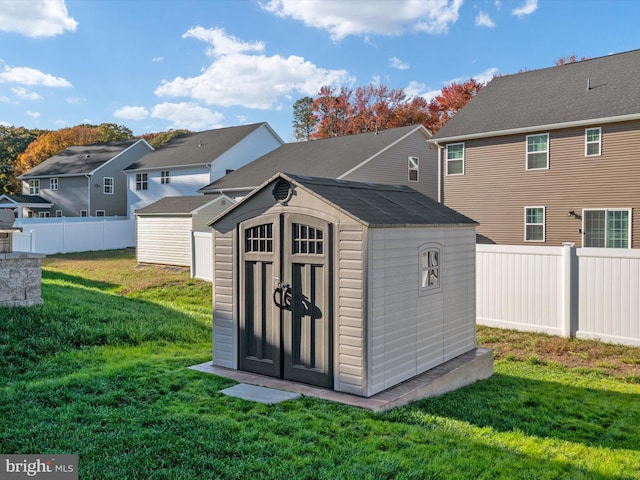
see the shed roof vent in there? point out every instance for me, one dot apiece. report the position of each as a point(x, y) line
point(282, 191)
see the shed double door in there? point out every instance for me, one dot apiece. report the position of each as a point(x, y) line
point(284, 298)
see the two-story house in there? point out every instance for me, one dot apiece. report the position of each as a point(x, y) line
point(399, 156)
point(550, 156)
point(186, 163)
point(82, 181)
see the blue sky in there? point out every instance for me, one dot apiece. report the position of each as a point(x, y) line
point(153, 65)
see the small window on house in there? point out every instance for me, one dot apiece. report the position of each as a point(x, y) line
point(606, 228)
point(53, 183)
point(44, 214)
point(99, 213)
point(413, 169)
point(455, 159)
point(83, 213)
point(538, 151)
point(34, 187)
point(430, 262)
point(142, 181)
point(534, 224)
point(107, 185)
point(164, 177)
point(592, 141)
point(58, 213)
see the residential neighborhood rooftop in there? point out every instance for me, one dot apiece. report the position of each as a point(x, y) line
point(604, 89)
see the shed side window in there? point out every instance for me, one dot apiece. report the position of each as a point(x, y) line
point(259, 239)
point(430, 263)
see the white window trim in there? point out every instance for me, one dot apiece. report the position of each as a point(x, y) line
point(464, 154)
point(53, 183)
point(416, 169)
point(629, 234)
point(587, 143)
point(526, 148)
point(544, 224)
point(104, 186)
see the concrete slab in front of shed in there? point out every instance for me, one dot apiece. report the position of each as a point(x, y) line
point(259, 394)
point(458, 372)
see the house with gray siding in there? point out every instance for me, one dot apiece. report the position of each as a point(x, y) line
point(550, 156)
point(351, 286)
point(395, 156)
point(82, 181)
point(186, 163)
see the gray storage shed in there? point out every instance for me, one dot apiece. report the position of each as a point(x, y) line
point(351, 286)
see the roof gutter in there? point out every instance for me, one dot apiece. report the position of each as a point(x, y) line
point(531, 128)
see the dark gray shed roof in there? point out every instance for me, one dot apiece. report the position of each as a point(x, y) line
point(330, 157)
point(200, 148)
point(552, 97)
point(184, 205)
point(80, 159)
point(374, 205)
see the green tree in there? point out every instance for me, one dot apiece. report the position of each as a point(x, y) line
point(304, 120)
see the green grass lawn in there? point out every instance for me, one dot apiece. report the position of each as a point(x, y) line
point(100, 370)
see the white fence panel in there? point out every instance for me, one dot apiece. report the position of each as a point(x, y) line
point(77, 236)
point(202, 256)
point(609, 285)
point(518, 287)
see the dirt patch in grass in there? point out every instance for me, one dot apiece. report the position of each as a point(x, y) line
point(615, 360)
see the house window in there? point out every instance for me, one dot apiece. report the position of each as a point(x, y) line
point(34, 187)
point(606, 228)
point(164, 177)
point(430, 261)
point(592, 141)
point(534, 224)
point(107, 186)
point(537, 151)
point(83, 213)
point(455, 159)
point(44, 214)
point(413, 169)
point(142, 181)
point(53, 183)
point(99, 213)
point(58, 213)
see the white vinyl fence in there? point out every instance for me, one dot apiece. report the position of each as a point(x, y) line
point(582, 292)
point(202, 255)
point(76, 236)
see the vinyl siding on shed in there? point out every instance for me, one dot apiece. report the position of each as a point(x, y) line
point(164, 240)
point(496, 187)
point(411, 332)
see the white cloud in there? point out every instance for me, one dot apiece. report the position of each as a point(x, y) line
point(33, 114)
point(36, 18)
point(25, 94)
point(342, 19)
point(395, 62)
point(31, 76)
point(528, 8)
point(132, 113)
point(484, 20)
point(187, 115)
point(253, 81)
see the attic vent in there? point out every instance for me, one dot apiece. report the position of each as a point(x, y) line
point(282, 191)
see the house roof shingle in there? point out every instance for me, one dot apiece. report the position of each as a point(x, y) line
point(374, 205)
point(603, 89)
point(331, 157)
point(80, 159)
point(181, 205)
point(200, 148)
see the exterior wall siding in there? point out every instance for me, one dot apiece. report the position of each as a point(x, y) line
point(164, 240)
point(391, 166)
point(496, 187)
point(409, 331)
